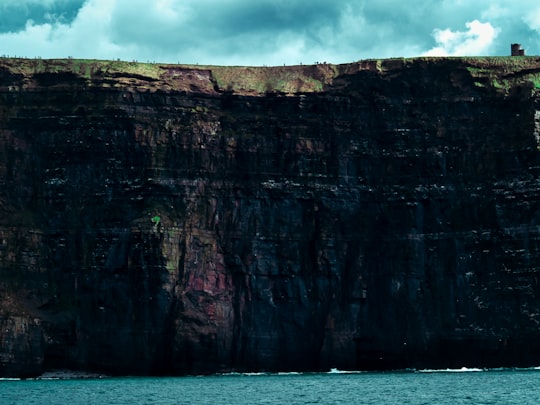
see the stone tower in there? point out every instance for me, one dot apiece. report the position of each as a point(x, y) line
point(517, 50)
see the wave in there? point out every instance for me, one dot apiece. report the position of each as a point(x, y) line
point(290, 373)
point(476, 370)
point(337, 371)
point(70, 374)
point(244, 374)
point(452, 370)
point(524, 369)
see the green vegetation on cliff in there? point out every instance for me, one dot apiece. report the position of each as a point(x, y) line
point(179, 219)
point(500, 73)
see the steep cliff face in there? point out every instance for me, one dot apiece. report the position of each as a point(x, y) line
point(160, 219)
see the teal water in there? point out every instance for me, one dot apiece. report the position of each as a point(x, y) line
point(465, 387)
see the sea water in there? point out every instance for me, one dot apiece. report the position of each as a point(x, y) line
point(463, 386)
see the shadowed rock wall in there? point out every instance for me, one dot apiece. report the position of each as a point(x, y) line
point(383, 214)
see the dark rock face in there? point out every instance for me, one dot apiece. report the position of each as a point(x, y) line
point(164, 223)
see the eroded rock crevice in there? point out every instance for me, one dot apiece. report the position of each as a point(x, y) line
point(164, 219)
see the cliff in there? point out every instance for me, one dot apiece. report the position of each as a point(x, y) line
point(167, 219)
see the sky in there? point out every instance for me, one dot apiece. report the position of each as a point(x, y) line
point(265, 32)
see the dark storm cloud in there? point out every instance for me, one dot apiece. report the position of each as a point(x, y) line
point(14, 14)
point(225, 28)
point(272, 16)
point(257, 32)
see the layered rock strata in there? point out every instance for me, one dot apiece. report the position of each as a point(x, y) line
point(165, 219)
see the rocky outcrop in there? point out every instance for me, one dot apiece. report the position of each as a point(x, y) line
point(160, 219)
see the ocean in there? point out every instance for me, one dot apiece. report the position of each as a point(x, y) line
point(465, 386)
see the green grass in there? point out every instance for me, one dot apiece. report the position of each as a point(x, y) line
point(504, 73)
point(500, 73)
point(535, 78)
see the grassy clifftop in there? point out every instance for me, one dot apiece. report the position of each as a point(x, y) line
point(500, 73)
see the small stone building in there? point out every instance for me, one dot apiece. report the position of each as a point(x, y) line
point(517, 50)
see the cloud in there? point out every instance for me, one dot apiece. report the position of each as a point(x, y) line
point(532, 19)
point(271, 32)
point(477, 40)
point(14, 14)
point(236, 30)
point(83, 37)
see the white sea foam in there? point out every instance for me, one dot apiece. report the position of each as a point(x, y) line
point(452, 370)
point(310, 388)
point(254, 374)
point(337, 371)
point(236, 373)
point(291, 373)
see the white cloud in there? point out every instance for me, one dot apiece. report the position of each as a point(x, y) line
point(477, 40)
point(87, 36)
point(532, 19)
point(495, 11)
point(271, 32)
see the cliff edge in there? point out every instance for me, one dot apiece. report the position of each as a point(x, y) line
point(171, 219)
